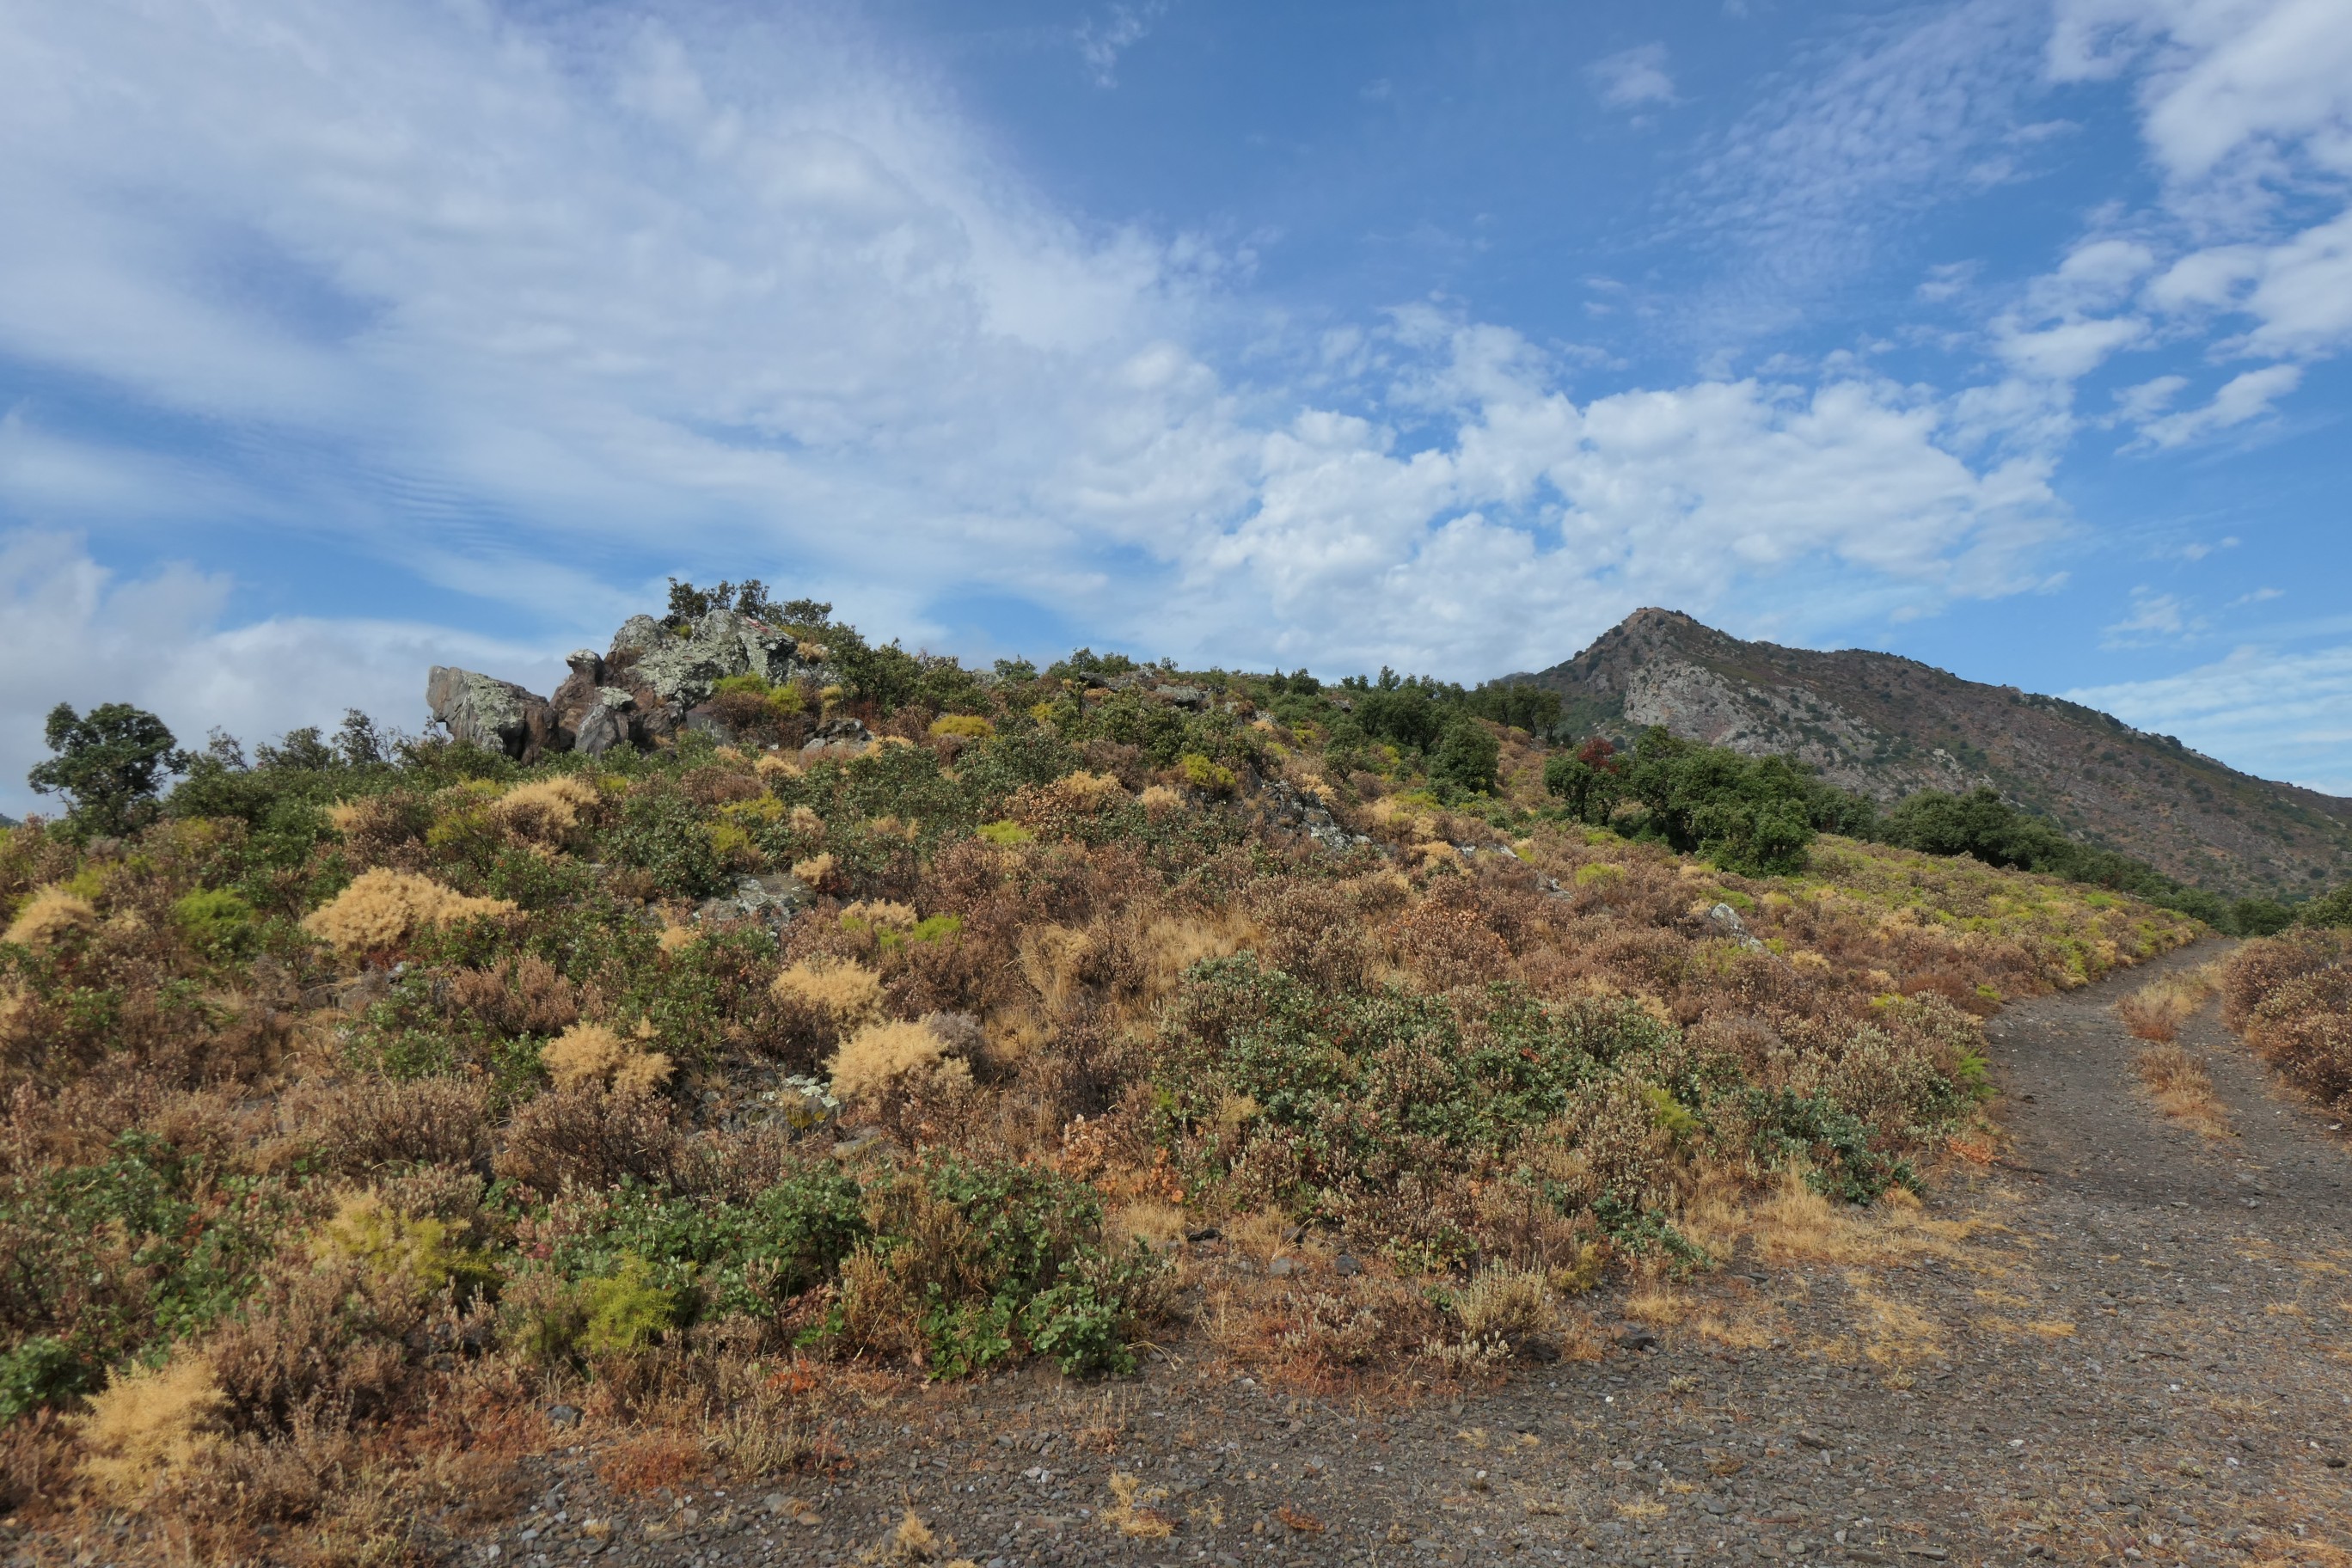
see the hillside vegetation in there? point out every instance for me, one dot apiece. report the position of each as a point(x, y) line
point(368, 1099)
point(1887, 728)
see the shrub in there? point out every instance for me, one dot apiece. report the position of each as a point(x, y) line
point(546, 810)
point(1464, 758)
point(1208, 777)
point(381, 909)
point(213, 920)
point(392, 1246)
point(662, 834)
point(51, 915)
point(592, 1056)
point(624, 1311)
point(147, 1425)
point(884, 1056)
point(971, 726)
point(838, 994)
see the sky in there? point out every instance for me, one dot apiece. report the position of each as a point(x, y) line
point(340, 339)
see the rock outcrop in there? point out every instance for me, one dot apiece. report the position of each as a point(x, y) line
point(648, 686)
point(496, 715)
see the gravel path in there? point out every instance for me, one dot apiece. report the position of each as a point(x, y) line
point(2119, 1343)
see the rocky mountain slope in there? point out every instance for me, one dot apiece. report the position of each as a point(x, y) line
point(1887, 727)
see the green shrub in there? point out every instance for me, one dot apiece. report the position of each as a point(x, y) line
point(662, 834)
point(42, 1369)
point(1211, 778)
point(1466, 757)
point(214, 920)
point(624, 1311)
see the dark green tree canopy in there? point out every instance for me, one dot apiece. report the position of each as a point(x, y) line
point(109, 764)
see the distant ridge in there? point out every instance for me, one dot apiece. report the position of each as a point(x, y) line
point(1886, 727)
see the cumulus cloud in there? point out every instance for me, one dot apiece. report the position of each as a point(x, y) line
point(2278, 713)
point(1633, 77)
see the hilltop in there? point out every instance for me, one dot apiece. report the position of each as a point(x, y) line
point(1887, 727)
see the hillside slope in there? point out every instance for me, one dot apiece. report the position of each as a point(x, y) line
point(1887, 727)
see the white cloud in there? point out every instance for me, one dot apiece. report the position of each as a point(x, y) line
point(516, 311)
point(2279, 714)
point(79, 634)
point(2246, 109)
point(1102, 40)
point(1633, 77)
point(2240, 399)
point(2154, 617)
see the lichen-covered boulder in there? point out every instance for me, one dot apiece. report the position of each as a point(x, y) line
point(496, 715)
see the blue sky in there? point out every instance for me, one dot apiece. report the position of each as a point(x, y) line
point(337, 339)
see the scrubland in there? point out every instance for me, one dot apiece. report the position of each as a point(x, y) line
point(355, 1115)
point(2291, 996)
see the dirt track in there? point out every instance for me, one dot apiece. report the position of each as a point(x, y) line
point(2121, 1343)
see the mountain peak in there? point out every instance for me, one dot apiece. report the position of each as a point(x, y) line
point(1887, 726)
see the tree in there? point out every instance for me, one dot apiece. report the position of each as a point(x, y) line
point(1466, 755)
point(110, 763)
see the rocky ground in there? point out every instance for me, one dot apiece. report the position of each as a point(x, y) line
point(2113, 1340)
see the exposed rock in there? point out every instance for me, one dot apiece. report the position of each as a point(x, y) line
point(1285, 802)
point(842, 737)
point(496, 715)
point(639, 634)
point(602, 728)
point(573, 701)
point(773, 899)
point(1182, 696)
point(1727, 921)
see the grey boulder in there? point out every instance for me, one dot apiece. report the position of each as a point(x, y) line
point(495, 715)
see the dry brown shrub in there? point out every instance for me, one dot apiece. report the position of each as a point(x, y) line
point(2156, 1010)
point(880, 914)
point(649, 1461)
point(381, 909)
point(2183, 1089)
point(590, 1138)
point(49, 916)
point(2259, 968)
point(1447, 944)
point(360, 1126)
point(1160, 802)
point(2303, 1029)
point(327, 1336)
point(525, 995)
point(148, 1426)
point(1312, 932)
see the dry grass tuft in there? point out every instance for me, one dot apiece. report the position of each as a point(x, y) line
point(1132, 1511)
point(842, 993)
point(544, 809)
point(589, 1055)
point(882, 1058)
point(382, 909)
point(2156, 1010)
point(147, 1426)
point(2183, 1089)
point(49, 914)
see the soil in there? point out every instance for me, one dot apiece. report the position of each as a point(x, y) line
point(2113, 1341)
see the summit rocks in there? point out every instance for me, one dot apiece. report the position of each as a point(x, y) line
point(652, 682)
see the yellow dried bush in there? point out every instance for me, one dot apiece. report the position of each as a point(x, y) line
point(50, 914)
point(816, 870)
point(587, 1054)
point(1159, 801)
point(145, 1425)
point(544, 808)
point(1091, 792)
point(773, 766)
point(844, 992)
point(880, 914)
point(381, 909)
point(880, 1058)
